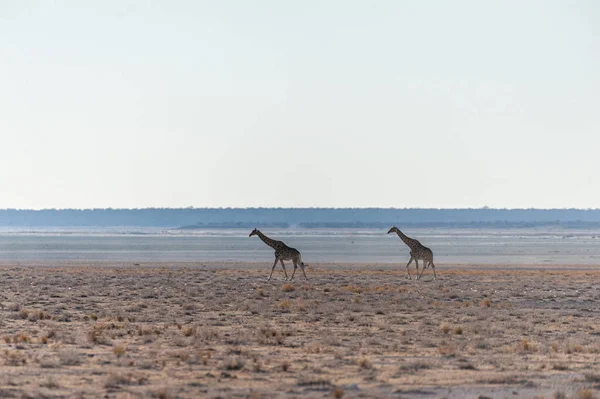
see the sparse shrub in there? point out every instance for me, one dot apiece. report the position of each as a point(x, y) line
point(119, 350)
point(114, 379)
point(285, 304)
point(445, 328)
point(270, 336)
point(307, 381)
point(50, 383)
point(573, 348)
point(585, 393)
point(13, 307)
point(205, 334)
point(413, 367)
point(338, 393)
point(526, 346)
point(181, 355)
point(287, 287)
point(164, 393)
point(204, 356)
point(189, 307)
point(458, 330)
point(559, 395)
point(285, 366)
point(33, 317)
point(92, 336)
point(48, 361)
point(21, 338)
point(447, 350)
point(233, 363)
point(145, 364)
point(353, 288)
point(256, 365)
point(189, 331)
point(14, 358)
point(486, 303)
point(69, 357)
point(365, 363)
point(300, 305)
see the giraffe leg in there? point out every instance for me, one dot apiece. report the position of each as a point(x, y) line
point(273, 268)
point(423, 270)
point(433, 268)
point(282, 265)
point(408, 270)
point(417, 266)
point(303, 272)
point(294, 272)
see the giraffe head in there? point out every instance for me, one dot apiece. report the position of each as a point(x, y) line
point(254, 232)
point(393, 229)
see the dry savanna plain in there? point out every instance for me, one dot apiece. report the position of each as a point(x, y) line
point(199, 330)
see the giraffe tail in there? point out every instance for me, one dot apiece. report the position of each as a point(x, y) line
point(301, 262)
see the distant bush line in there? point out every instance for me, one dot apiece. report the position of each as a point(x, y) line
point(298, 217)
point(359, 225)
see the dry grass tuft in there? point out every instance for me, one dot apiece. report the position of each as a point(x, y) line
point(49, 383)
point(288, 287)
point(457, 331)
point(445, 328)
point(233, 363)
point(69, 357)
point(119, 350)
point(14, 358)
point(573, 348)
point(486, 303)
point(527, 346)
point(447, 350)
point(164, 393)
point(585, 393)
point(189, 331)
point(365, 363)
point(338, 393)
point(115, 379)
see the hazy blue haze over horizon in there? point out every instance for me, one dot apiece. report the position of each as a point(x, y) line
point(295, 217)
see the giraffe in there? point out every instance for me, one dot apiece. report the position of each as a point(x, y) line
point(417, 251)
point(282, 252)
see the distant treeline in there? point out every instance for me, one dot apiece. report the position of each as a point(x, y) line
point(296, 217)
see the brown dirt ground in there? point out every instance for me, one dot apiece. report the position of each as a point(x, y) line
point(220, 330)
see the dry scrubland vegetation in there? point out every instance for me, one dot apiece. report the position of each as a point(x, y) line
point(227, 332)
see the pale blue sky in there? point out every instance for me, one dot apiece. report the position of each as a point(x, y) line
point(306, 103)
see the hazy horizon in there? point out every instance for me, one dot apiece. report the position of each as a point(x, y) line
point(299, 207)
point(465, 104)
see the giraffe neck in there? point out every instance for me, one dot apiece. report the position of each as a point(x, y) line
point(407, 240)
point(267, 240)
